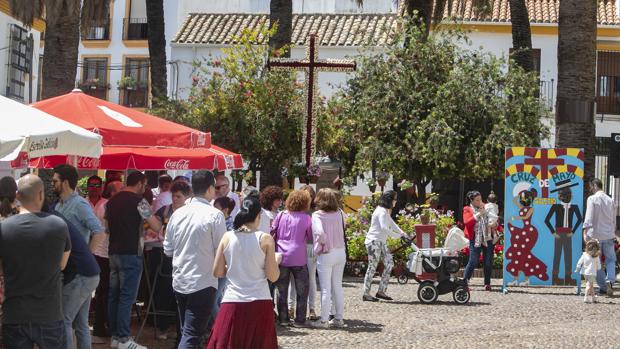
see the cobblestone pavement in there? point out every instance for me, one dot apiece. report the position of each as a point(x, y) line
point(532, 317)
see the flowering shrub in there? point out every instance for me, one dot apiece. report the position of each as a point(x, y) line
point(314, 170)
point(358, 224)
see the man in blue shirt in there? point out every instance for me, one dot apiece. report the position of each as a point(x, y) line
point(80, 279)
point(74, 207)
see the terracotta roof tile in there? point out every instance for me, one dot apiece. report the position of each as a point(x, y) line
point(361, 29)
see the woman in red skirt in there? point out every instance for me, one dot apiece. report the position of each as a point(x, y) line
point(247, 258)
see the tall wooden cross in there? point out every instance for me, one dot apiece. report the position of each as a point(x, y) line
point(544, 161)
point(311, 66)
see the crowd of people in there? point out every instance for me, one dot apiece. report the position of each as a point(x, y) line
point(232, 268)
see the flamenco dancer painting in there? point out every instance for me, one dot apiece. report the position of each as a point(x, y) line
point(523, 239)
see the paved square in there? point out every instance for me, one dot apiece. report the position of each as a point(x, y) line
point(533, 317)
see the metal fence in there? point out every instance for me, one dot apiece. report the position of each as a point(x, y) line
point(611, 184)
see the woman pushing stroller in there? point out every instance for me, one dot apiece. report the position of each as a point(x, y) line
point(382, 226)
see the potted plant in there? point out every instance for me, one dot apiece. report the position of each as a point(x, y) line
point(425, 217)
point(90, 84)
point(127, 83)
point(372, 184)
point(314, 172)
point(299, 170)
point(382, 178)
point(407, 187)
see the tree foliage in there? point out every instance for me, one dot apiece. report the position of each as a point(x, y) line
point(433, 109)
point(246, 107)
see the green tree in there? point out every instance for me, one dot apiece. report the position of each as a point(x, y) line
point(431, 109)
point(247, 108)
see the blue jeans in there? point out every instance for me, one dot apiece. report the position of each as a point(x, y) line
point(474, 257)
point(47, 335)
point(76, 296)
point(219, 295)
point(125, 273)
point(602, 278)
point(195, 312)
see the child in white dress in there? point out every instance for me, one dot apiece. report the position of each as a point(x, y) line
point(588, 265)
point(493, 215)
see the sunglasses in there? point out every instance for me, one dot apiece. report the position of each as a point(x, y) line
point(94, 185)
point(218, 187)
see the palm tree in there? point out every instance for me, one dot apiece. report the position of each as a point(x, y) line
point(157, 49)
point(281, 14)
point(577, 78)
point(521, 35)
point(62, 36)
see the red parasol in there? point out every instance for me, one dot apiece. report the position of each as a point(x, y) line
point(121, 126)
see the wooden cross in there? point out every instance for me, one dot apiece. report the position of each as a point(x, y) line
point(311, 65)
point(544, 162)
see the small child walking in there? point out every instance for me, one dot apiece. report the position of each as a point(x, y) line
point(588, 265)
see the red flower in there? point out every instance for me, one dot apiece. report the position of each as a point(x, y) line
point(217, 62)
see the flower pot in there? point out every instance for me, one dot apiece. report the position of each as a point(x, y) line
point(372, 188)
point(425, 219)
point(381, 182)
point(303, 179)
point(314, 179)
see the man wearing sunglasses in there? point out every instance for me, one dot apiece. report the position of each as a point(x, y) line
point(94, 188)
point(222, 189)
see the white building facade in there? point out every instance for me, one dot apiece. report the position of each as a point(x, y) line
point(21, 50)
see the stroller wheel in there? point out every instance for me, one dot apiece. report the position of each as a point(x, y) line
point(427, 292)
point(402, 278)
point(461, 295)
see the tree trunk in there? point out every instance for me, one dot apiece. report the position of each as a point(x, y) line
point(157, 49)
point(62, 37)
point(424, 9)
point(281, 12)
point(521, 35)
point(576, 78)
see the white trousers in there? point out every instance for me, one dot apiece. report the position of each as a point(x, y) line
point(331, 268)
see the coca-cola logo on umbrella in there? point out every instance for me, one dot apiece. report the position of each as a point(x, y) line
point(180, 164)
point(88, 162)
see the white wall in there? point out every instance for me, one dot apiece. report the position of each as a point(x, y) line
point(5, 23)
point(299, 6)
point(117, 48)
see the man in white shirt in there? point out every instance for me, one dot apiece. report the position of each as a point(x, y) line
point(192, 237)
point(222, 188)
point(600, 224)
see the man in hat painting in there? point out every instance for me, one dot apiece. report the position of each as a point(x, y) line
point(567, 220)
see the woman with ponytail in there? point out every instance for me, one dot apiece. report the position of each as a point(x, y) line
point(8, 191)
point(246, 257)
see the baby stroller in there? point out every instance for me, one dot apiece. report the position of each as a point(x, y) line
point(435, 269)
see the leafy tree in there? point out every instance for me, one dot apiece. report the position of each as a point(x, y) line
point(247, 108)
point(431, 109)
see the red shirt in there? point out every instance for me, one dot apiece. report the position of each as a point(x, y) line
point(469, 221)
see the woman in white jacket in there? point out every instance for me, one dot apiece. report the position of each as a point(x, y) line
point(382, 226)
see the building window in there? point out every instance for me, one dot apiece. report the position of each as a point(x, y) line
point(135, 26)
point(135, 83)
point(98, 30)
point(608, 82)
point(20, 61)
point(536, 56)
point(94, 80)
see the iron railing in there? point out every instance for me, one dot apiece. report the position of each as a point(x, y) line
point(98, 30)
point(135, 29)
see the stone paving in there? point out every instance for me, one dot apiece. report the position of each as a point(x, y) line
point(532, 317)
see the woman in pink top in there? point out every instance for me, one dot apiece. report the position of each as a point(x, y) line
point(291, 229)
point(328, 231)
